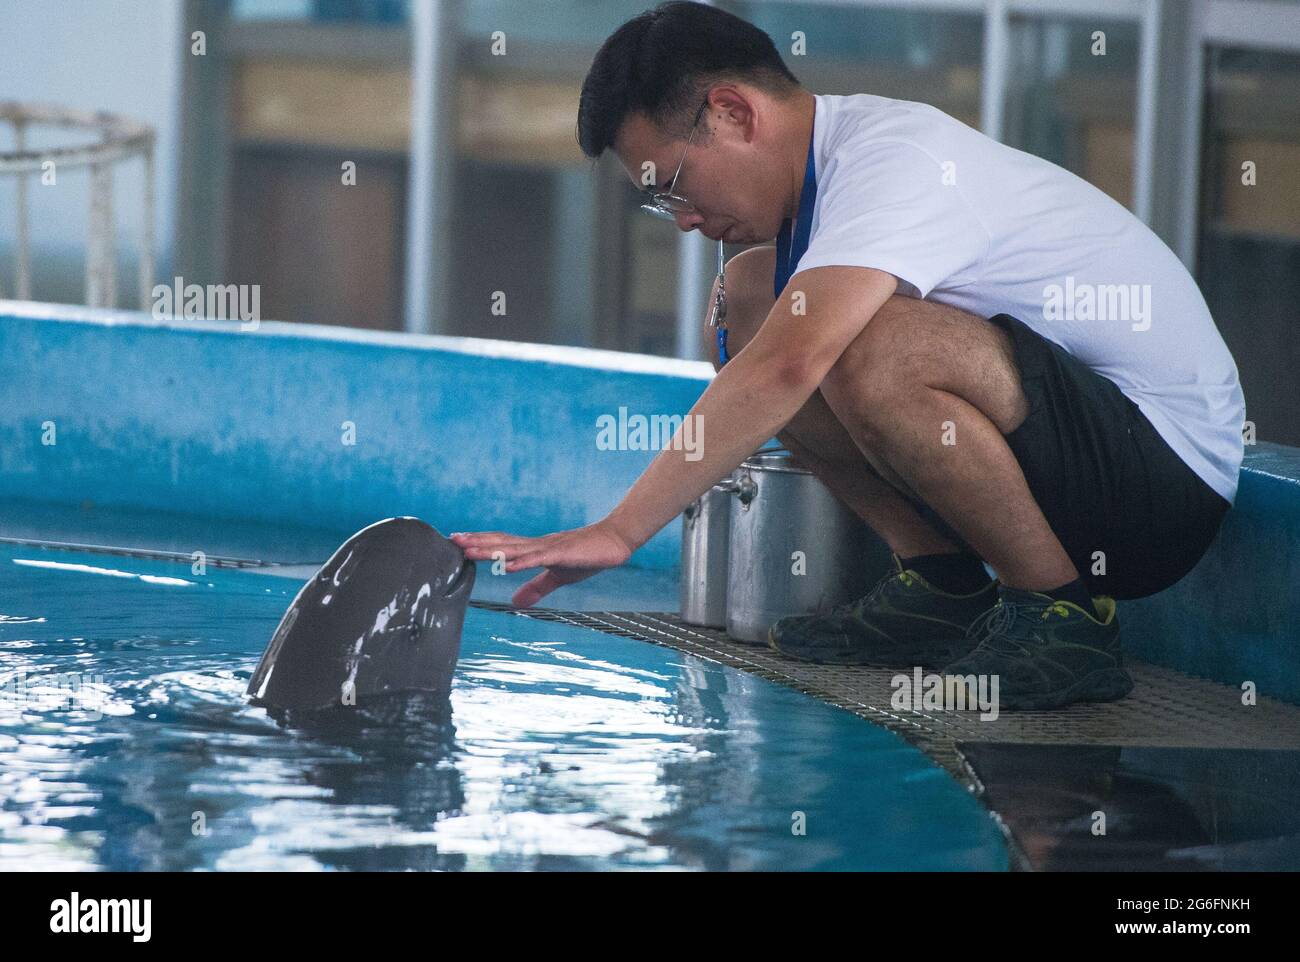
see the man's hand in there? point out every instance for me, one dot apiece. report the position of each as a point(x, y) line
point(567, 556)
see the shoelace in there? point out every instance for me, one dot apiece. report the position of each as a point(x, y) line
point(1007, 624)
point(854, 607)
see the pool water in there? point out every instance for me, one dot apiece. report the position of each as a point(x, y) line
point(127, 743)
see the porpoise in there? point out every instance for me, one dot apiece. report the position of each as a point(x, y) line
point(382, 617)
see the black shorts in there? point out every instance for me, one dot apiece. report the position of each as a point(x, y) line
point(1104, 478)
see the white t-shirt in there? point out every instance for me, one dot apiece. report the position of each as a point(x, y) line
point(963, 220)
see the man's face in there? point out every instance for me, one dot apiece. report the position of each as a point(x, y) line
point(732, 177)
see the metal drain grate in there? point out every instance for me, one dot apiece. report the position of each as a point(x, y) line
point(1166, 707)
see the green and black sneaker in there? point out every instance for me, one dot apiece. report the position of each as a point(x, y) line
point(1047, 654)
point(903, 621)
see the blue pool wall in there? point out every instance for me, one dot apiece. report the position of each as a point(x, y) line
point(201, 417)
point(1236, 617)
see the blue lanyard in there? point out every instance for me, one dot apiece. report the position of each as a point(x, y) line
point(788, 252)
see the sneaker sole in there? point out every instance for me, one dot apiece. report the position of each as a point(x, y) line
point(1109, 684)
point(938, 655)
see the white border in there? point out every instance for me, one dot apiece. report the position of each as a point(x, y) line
point(584, 357)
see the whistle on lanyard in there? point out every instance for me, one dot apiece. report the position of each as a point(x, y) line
point(718, 313)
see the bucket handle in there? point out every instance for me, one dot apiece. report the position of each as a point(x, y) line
point(743, 487)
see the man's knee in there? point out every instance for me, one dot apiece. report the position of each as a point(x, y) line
point(911, 346)
point(907, 347)
point(749, 275)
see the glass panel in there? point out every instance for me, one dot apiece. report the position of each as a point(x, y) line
point(316, 155)
point(650, 318)
point(324, 11)
point(1071, 97)
point(907, 54)
point(571, 22)
point(1249, 260)
point(533, 218)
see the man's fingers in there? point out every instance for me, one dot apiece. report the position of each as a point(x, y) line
point(487, 545)
point(536, 589)
point(473, 537)
point(537, 558)
point(490, 552)
point(481, 537)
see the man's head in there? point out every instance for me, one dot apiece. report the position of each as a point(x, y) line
point(643, 97)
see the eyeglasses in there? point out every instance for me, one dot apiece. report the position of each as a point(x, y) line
point(666, 204)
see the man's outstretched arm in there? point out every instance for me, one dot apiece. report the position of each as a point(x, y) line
point(751, 399)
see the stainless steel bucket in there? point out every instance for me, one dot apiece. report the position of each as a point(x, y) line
point(705, 535)
point(793, 547)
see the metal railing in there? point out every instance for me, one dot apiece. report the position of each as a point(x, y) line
point(120, 139)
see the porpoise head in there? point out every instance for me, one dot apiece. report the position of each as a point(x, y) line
point(383, 616)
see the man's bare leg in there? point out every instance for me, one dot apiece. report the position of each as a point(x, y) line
point(916, 367)
point(814, 435)
point(932, 391)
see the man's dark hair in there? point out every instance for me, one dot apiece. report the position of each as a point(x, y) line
point(662, 62)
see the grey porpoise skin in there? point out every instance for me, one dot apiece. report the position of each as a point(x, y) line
point(382, 617)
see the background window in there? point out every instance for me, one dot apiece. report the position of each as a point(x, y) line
point(1249, 244)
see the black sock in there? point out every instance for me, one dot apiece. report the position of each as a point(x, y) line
point(1076, 592)
point(957, 574)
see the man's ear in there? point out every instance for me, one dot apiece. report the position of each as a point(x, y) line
point(737, 107)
